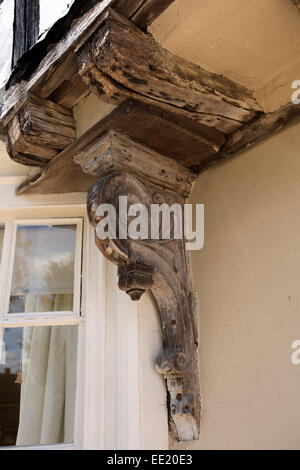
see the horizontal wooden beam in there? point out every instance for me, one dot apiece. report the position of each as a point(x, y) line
point(155, 76)
point(121, 61)
point(40, 67)
point(178, 138)
point(61, 174)
point(253, 133)
point(70, 92)
point(51, 65)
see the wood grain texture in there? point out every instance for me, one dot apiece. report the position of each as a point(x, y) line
point(39, 130)
point(62, 175)
point(117, 152)
point(70, 92)
point(253, 133)
point(121, 61)
point(16, 95)
point(48, 54)
point(179, 138)
point(26, 27)
point(18, 144)
point(64, 70)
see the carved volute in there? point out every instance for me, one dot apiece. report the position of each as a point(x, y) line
point(126, 168)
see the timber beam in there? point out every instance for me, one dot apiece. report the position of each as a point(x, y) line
point(61, 174)
point(107, 54)
point(251, 134)
point(120, 61)
point(205, 118)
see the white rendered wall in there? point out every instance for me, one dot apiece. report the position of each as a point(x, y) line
point(247, 283)
point(7, 9)
point(51, 11)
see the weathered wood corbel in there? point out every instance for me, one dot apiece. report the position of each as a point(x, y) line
point(127, 168)
point(39, 131)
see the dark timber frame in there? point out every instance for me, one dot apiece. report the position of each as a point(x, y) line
point(26, 27)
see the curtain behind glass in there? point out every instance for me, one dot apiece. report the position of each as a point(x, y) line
point(1, 240)
point(48, 377)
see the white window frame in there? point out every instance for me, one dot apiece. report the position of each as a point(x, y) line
point(76, 215)
point(7, 265)
point(110, 403)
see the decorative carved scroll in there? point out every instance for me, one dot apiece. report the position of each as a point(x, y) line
point(145, 177)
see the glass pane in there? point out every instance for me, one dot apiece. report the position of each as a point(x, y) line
point(1, 240)
point(43, 274)
point(37, 385)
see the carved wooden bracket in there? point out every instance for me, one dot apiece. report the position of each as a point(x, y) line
point(126, 168)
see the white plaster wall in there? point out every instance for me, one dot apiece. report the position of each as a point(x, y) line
point(247, 281)
point(51, 11)
point(135, 405)
point(7, 166)
point(153, 395)
point(89, 111)
point(122, 410)
point(6, 39)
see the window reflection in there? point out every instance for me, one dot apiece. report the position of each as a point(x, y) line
point(43, 274)
point(37, 385)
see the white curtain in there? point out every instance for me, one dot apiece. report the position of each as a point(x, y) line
point(48, 377)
